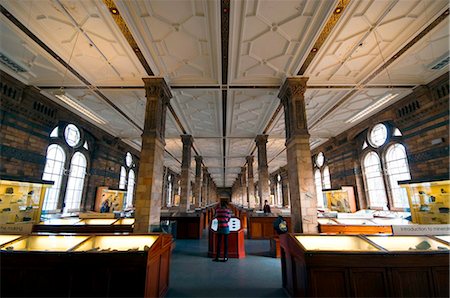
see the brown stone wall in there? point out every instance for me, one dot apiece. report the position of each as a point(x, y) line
point(423, 119)
point(26, 121)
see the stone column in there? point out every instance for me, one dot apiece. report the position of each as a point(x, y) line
point(244, 187)
point(263, 170)
point(164, 188)
point(300, 173)
point(151, 164)
point(285, 188)
point(198, 181)
point(204, 195)
point(251, 183)
point(239, 189)
point(185, 172)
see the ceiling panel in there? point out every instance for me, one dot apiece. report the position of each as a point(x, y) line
point(175, 147)
point(84, 34)
point(209, 147)
point(199, 110)
point(367, 35)
point(213, 162)
point(239, 147)
point(319, 101)
point(279, 162)
point(180, 38)
point(269, 39)
point(415, 66)
point(172, 129)
point(37, 66)
point(274, 147)
point(171, 163)
point(248, 111)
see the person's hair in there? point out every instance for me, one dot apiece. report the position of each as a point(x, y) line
point(265, 201)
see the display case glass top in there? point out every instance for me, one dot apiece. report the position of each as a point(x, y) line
point(7, 238)
point(408, 243)
point(45, 243)
point(335, 243)
point(445, 238)
point(96, 221)
point(119, 243)
point(355, 222)
point(125, 221)
point(326, 221)
point(60, 221)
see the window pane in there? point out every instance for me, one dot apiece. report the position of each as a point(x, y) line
point(378, 135)
point(54, 133)
point(318, 182)
point(53, 171)
point(72, 135)
point(130, 190)
point(320, 159)
point(75, 183)
point(326, 178)
point(374, 180)
point(128, 159)
point(123, 178)
point(398, 170)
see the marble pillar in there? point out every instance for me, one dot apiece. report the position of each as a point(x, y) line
point(244, 187)
point(151, 164)
point(198, 181)
point(204, 195)
point(300, 172)
point(250, 182)
point(185, 172)
point(263, 170)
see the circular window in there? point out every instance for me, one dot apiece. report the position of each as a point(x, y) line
point(378, 135)
point(320, 159)
point(72, 135)
point(128, 159)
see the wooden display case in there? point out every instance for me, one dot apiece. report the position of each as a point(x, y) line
point(21, 201)
point(236, 245)
point(114, 198)
point(364, 266)
point(261, 226)
point(88, 225)
point(429, 201)
point(86, 265)
point(189, 225)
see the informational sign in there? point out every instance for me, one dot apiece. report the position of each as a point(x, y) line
point(443, 229)
point(96, 215)
point(16, 228)
point(234, 224)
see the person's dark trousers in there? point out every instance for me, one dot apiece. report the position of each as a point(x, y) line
point(225, 245)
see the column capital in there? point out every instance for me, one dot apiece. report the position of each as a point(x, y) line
point(198, 159)
point(187, 139)
point(261, 140)
point(156, 87)
point(293, 87)
point(249, 159)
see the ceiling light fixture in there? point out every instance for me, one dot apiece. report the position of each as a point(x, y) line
point(61, 94)
point(338, 10)
point(114, 10)
point(372, 108)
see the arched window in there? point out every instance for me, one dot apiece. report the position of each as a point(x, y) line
point(374, 180)
point(53, 171)
point(279, 192)
point(123, 178)
point(75, 183)
point(66, 165)
point(398, 170)
point(130, 190)
point(326, 178)
point(169, 191)
point(318, 182)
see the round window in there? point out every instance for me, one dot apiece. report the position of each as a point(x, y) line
point(378, 135)
point(72, 135)
point(128, 159)
point(320, 159)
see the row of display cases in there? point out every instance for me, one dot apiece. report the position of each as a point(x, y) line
point(371, 265)
point(87, 225)
point(85, 265)
point(359, 226)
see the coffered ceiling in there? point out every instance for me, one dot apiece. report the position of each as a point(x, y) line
point(225, 62)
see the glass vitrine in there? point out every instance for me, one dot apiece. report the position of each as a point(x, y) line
point(125, 221)
point(355, 222)
point(7, 238)
point(60, 221)
point(335, 243)
point(326, 221)
point(96, 221)
point(45, 243)
point(445, 238)
point(117, 243)
point(407, 243)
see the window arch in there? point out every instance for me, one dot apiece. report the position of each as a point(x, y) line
point(398, 170)
point(53, 171)
point(322, 178)
point(279, 191)
point(130, 190)
point(318, 182)
point(66, 165)
point(326, 178)
point(75, 183)
point(376, 191)
point(123, 178)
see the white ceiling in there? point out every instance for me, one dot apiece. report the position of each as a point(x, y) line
point(268, 41)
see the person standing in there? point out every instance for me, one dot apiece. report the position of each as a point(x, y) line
point(223, 215)
point(266, 207)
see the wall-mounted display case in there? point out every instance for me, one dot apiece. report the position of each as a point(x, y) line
point(429, 201)
point(341, 200)
point(86, 265)
point(21, 201)
point(109, 200)
point(361, 266)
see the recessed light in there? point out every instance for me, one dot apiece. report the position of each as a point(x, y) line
point(114, 10)
point(338, 10)
point(314, 50)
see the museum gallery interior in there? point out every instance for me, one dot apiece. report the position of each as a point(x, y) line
point(125, 123)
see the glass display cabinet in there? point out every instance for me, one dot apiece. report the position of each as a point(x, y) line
point(445, 238)
point(429, 201)
point(21, 201)
point(86, 265)
point(8, 238)
point(361, 266)
point(88, 225)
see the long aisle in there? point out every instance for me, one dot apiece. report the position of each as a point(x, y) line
point(193, 274)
